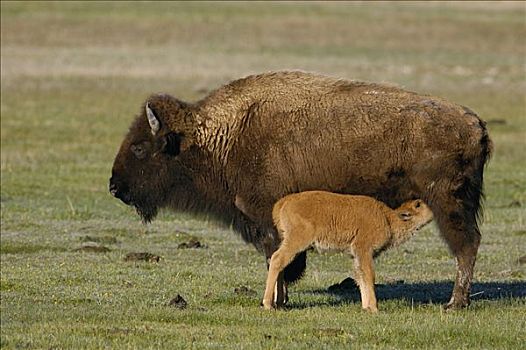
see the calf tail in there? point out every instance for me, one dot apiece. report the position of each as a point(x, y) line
point(276, 214)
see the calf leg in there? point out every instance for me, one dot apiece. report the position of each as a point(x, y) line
point(364, 270)
point(293, 272)
point(279, 260)
point(281, 290)
point(294, 241)
point(270, 245)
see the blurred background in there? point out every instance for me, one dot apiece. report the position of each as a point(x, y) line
point(74, 75)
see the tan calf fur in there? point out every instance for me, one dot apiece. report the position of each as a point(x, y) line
point(359, 225)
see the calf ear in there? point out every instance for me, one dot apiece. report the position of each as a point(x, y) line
point(155, 125)
point(405, 215)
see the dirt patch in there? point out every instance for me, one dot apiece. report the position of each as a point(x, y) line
point(92, 247)
point(329, 332)
point(178, 302)
point(127, 284)
point(244, 290)
point(514, 204)
point(143, 256)
point(100, 240)
point(193, 243)
point(522, 260)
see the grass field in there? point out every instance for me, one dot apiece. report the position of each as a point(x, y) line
point(74, 75)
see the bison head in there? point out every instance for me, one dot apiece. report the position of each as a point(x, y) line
point(148, 168)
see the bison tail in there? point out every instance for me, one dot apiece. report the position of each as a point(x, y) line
point(474, 181)
point(486, 153)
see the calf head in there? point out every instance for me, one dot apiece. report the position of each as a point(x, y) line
point(414, 214)
point(148, 166)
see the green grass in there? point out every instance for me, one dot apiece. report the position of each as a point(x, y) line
point(73, 76)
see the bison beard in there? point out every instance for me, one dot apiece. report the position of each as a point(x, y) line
point(247, 144)
point(146, 212)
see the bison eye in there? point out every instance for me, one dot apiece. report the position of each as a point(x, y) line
point(139, 150)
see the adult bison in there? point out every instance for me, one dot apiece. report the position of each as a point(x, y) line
point(257, 139)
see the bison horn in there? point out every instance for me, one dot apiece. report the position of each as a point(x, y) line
point(152, 119)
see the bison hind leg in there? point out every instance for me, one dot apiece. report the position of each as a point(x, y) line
point(457, 213)
point(296, 269)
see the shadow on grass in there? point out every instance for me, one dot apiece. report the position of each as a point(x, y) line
point(419, 293)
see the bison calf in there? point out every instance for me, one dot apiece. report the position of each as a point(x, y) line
point(360, 225)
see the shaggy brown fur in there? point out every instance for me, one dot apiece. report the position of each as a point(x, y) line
point(360, 225)
point(262, 137)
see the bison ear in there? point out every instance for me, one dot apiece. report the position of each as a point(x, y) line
point(405, 216)
point(174, 143)
point(155, 125)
